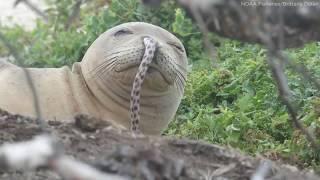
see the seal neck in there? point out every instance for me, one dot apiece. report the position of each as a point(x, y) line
point(86, 99)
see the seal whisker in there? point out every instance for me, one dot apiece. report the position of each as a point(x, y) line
point(180, 67)
point(105, 62)
point(117, 52)
point(182, 76)
point(103, 65)
point(180, 83)
point(173, 62)
point(107, 68)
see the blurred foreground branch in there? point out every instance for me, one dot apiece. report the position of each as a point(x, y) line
point(235, 18)
point(74, 13)
point(276, 24)
point(35, 97)
point(43, 151)
point(34, 8)
point(285, 95)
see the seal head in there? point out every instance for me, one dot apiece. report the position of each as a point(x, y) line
point(111, 63)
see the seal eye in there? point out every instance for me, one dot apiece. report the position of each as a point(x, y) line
point(176, 46)
point(122, 32)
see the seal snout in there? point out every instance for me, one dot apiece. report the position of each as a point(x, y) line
point(159, 71)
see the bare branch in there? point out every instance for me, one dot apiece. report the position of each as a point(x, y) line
point(203, 27)
point(74, 14)
point(270, 26)
point(284, 94)
point(33, 7)
point(224, 18)
point(262, 171)
point(20, 62)
point(43, 151)
point(300, 68)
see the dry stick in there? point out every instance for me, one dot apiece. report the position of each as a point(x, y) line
point(278, 73)
point(74, 14)
point(284, 93)
point(262, 171)
point(44, 151)
point(203, 28)
point(285, 87)
point(300, 68)
point(13, 51)
point(150, 48)
point(34, 8)
point(282, 84)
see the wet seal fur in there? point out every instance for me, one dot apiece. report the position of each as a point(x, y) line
point(100, 85)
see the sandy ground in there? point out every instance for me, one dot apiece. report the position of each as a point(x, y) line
point(20, 14)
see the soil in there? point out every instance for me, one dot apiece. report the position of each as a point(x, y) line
point(115, 151)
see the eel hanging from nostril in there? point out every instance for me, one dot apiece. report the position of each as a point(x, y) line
point(150, 48)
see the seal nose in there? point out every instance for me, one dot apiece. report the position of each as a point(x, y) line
point(156, 42)
point(149, 41)
point(149, 38)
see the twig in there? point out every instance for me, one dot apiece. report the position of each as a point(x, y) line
point(34, 8)
point(284, 93)
point(262, 32)
point(30, 83)
point(44, 151)
point(203, 28)
point(300, 68)
point(74, 14)
point(223, 170)
point(281, 80)
point(262, 171)
point(277, 67)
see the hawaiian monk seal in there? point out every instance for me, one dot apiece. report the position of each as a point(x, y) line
point(100, 85)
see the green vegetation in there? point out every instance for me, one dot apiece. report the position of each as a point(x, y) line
point(235, 104)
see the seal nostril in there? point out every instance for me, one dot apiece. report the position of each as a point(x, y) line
point(145, 36)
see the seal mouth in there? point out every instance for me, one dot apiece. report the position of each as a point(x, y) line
point(153, 69)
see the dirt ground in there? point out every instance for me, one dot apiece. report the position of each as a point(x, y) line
point(116, 151)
